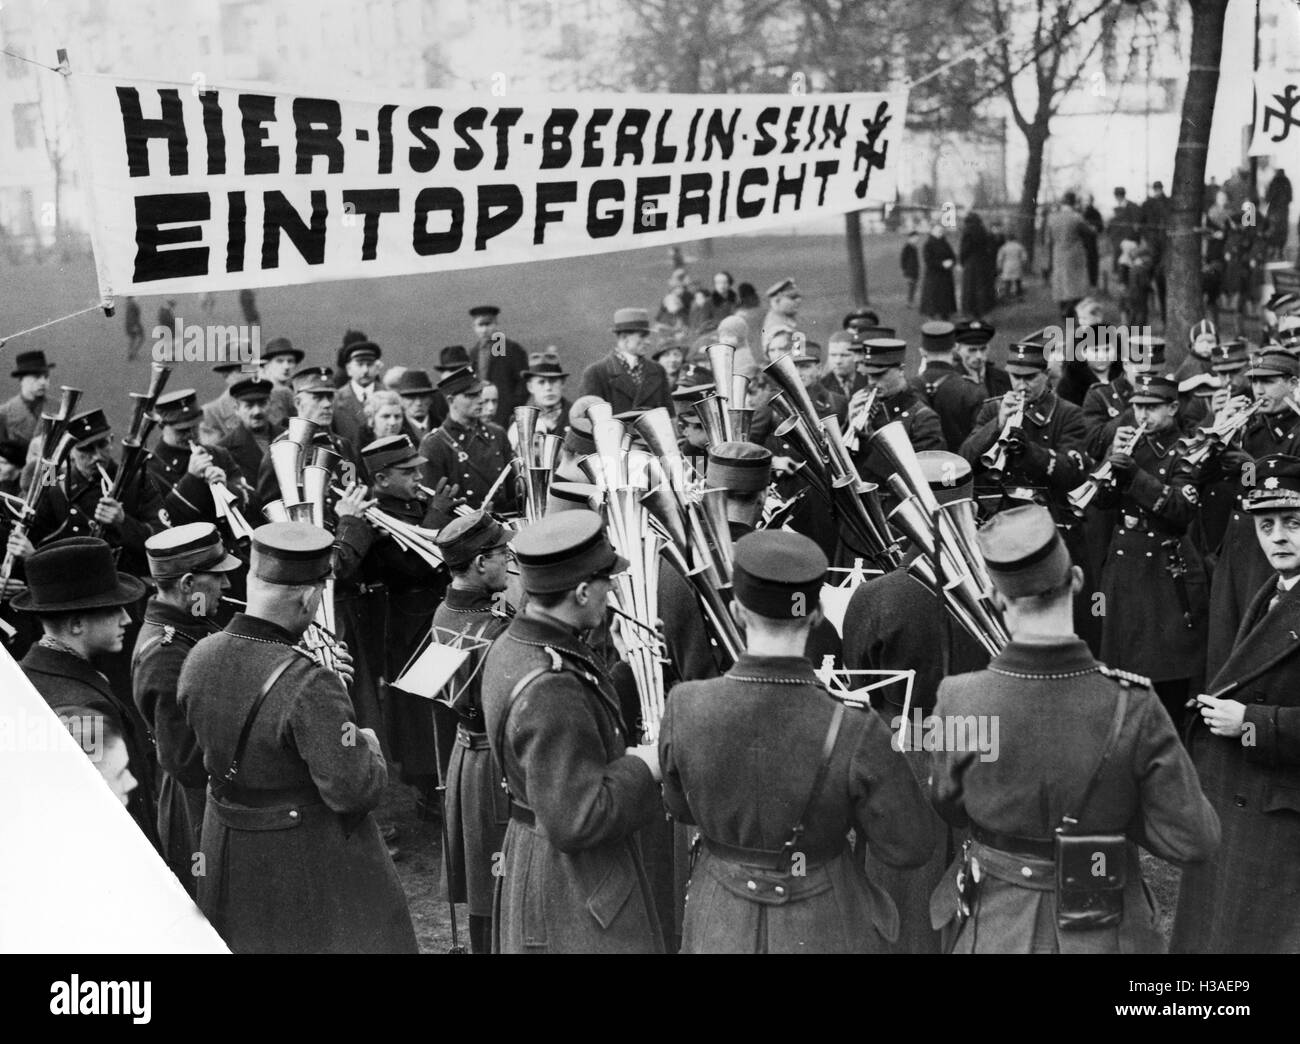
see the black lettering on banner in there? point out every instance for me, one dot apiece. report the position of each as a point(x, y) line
point(372, 203)
point(747, 208)
point(423, 157)
point(646, 189)
point(427, 202)
point(723, 134)
point(722, 196)
point(605, 190)
point(236, 216)
point(548, 193)
point(255, 110)
point(556, 149)
point(470, 155)
point(631, 134)
point(318, 122)
point(786, 186)
point(765, 143)
point(835, 128)
point(822, 170)
point(690, 135)
point(184, 209)
point(694, 198)
point(592, 154)
point(791, 130)
point(215, 133)
point(138, 131)
point(508, 201)
point(503, 121)
point(663, 153)
point(811, 132)
point(385, 129)
point(278, 215)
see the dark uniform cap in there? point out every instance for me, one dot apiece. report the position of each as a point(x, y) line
point(31, 364)
point(1274, 362)
point(938, 337)
point(1230, 356)
point(1155, 388)
point(806, 352)
point(561, 552)
point(229, 366)
point(88, 427)
point(292, 553)
point(1024, 553)
point(362, 350)
point(315, 379)
point(192, 548)
point(392, 451)
point(570, 496)
point(785, 286)
point(1275, 485)
point(578, 440)
point(974, 331)
point(949, 475)
point(459, 382)
point(453, 357)
point(1026, 356)
point(252, 389)
point(414, 382)
point(739, 467)
point(178, 407)
point(883, 352)
point(1147, 352)
point(467, 536)
point(75, 573)
point(694, 377)
point(861, 315)
point(489, 310)
point(1286, 302)
point(631, 320)
point(281, 346)
point(779, 575)
point(868, 333)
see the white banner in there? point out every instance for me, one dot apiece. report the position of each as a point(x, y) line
point(208, 187)
point(1277, 118)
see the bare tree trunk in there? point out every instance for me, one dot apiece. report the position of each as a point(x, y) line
point(857, 262)
point(1183, 251)
point(1026, 219)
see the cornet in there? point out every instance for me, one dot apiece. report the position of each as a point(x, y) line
point(995, 457)
point(1209, 441)
point(1103, 477)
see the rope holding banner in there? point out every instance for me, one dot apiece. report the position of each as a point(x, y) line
point(106, 305)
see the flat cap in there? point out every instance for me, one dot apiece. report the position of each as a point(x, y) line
point(562, 551)
point(467, 536)
point(392, 451)
point(366, 351)
point(315, 379)
point(739, 467)
point(178, 407)
point(1275, 485)
point(291, 553)
point(938, 336)
point(192, 548)
point(779, 575)
point(1274, 362)
point(1024, 552)
point(462, 381)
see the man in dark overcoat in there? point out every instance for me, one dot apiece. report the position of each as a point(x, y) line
point(497, 359)
point(625, 378)
point(1017, 745)
point(1245, 743)
point(572, 879)
point(293, 859)
point(775, 773)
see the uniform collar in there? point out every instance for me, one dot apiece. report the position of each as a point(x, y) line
point(536, 630)
point(464, 598)
point(245, 626)
point(783, 668)
point(1043, 408)
point(453, 425)
point(167, 615)
point(1058, 658)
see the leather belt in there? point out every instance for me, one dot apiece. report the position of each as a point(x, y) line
point(764, 858)
point(255, 798)
point(1037, 847)
point(471, 740)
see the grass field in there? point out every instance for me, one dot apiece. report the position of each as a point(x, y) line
point(567, 303)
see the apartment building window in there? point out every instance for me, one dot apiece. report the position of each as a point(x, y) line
point(27, 125)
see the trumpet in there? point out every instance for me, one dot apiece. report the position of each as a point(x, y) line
point(995, 457)
point(409, 537)
point(1103, 477)
point(1209, 441)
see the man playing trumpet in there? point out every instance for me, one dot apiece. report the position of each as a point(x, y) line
point(182, 468)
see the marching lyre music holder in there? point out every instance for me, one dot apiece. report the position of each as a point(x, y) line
point(838, 683)
point(841, 583)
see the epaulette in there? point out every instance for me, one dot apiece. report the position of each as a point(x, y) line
point(1126, 678)
point(168, 635)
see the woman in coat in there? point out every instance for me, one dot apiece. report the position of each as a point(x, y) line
point(1066, 238)
point(938, 293)
point(979, 268)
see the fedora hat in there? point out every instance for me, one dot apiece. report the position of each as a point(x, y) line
point(75, 573)
point(31, 364)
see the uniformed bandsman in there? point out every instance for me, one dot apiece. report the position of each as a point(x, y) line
point(293, 858)
point(807, 356)
point(1078, 746)
point(182, 468)
point(466, 451)
point(1153, 582)
point(253, 433)
point(572, 879)
point(80, 599)
point(1218, 492)
point(477, 551)
point(313, 400)
point(775, 773)
point(191, 569)
point(1245, 743)
point(1106, 404)
point(1274, 377)
point(941, 387)
point(896, 400)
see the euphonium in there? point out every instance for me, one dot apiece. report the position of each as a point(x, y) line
point(1102, 477)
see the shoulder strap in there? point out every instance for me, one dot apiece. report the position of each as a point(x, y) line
point(228, 776)
point(1068, 821)
point(819, 782)
point(554, 667)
